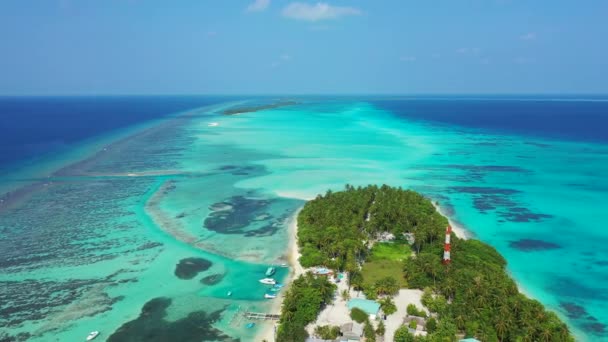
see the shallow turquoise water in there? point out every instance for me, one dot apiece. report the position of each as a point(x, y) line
point(118, 223)
point(538, 201)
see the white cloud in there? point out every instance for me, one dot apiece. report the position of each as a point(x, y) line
point(528, 36)
point(318, 11)
point(408, 59)
point(258, 5)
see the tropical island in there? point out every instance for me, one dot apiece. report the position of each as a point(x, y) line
point(255, 108)
point(371, 250)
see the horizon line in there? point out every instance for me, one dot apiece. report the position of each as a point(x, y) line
point(296, 94)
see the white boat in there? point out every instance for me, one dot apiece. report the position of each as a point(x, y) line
point(92, 335)
point(213, 124)
point(284, 265)
point(270, 271)
point(229, 293)
point(270, 296)
point(268, 281)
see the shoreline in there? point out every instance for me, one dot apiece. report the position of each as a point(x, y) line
point(295, 270)
point(457, 229)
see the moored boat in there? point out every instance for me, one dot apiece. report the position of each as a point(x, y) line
point(270, 296)
point(270, 271)
point(268, 281)
point(92, 335)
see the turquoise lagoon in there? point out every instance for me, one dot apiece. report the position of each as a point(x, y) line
point(100, 240)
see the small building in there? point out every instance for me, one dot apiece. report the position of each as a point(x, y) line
point(368, 306)
point(410, 238)
point(386, 237)
point(351, 332)
point(322, 271)
point(420, 324)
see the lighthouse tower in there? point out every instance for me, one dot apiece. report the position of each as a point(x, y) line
point(446, 248)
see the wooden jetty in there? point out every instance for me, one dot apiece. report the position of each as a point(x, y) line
point(262, 316)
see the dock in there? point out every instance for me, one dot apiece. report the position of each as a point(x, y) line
point(262, 316)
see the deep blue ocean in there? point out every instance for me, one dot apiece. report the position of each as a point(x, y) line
point(34, 126)
point(580, 118)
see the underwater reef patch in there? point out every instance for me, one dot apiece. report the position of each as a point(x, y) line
point(151, 326)
point(188, 268)
point(573, 310)
point(32, 300)
point(531, 245)
point(212, 279)
point(233, 215)
point(501, 200)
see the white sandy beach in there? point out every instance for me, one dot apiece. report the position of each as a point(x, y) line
point(458, 230)
point(295, 270)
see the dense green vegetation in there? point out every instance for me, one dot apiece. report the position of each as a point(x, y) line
point(327, 332)
point(358, 315)
point(414, 311)
point(475, 293)
point(472, 295)
point(335, 229)
point(303, 301)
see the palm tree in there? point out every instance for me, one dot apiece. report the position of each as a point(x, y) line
point(546, 333)
point(501, 328)
point(355, 279)
point(460, 321)
point(387, 285)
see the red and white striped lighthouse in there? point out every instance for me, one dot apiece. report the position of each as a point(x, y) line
point(446, 248)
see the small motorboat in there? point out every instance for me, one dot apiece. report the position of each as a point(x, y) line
point(275, 289)
point(270, 271)
point(270, 296)
point(92, 335)
point(278, 285)
point(250, 325)
point(284, 265)
point(229, 293)
point(268, 281)
point(213, 124)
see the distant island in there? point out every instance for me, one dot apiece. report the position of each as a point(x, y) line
point(256, 108)
point(380, 248)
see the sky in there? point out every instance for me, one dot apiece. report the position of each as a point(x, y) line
point(112, 47)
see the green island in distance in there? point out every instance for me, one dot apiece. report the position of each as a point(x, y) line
point(471, 297)
point(248, 109)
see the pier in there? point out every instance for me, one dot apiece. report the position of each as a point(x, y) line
point(262, 316)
